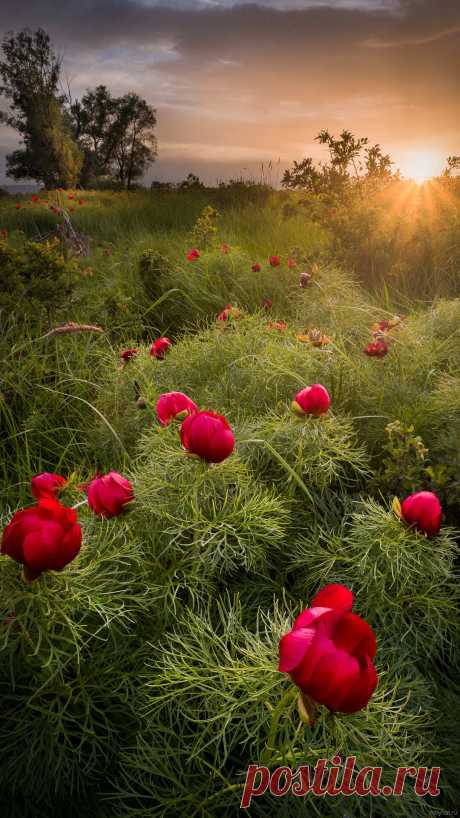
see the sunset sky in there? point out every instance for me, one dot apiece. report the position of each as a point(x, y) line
point(237, 84)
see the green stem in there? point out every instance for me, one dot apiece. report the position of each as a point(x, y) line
point(273, 732)
point(285, 466)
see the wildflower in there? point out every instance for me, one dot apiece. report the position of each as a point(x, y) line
point(329, 652)
point(377, 349)
point(80, 202)
point(47, 484)
point(44, 537)
point(34, 199)
point(304, 280)
point(313, 400)
point(229, 313)
point(18, 205)
point(4, 233)
point(256, 268)
point(109, 493)
point(267, 303)
point(174, 406)
point(160, 347)
point(71, 196)
point(193, 254)
point(291, 263)
point(127, 354)
point(225, 248)
point(274, 261)
point(279, 325)
point(207, 435)
point(423, 511)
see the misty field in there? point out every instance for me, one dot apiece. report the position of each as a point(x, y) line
point(140, 664)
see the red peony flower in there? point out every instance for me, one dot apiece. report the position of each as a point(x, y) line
point(81, 202)
point(160, 347)
point(18, 205)
point(207, 435)
point(267, 303)
point(34, 199)
point(291, 263)
point(127, 354)
point(71, 196)
point(174, 406)
point(44, 537)
point(256, 268)
point(313, 400)
point(304, 280)
point(225, 248)
point(47, 484)
point(4, 233)
point(376, 349)
point(229, 313)
point(109, 494)
point(329, 652)
point(274, 261)
point(193, 254)
point(423, 510)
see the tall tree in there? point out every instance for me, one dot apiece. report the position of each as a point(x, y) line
point(30, 73)
point(117, 135)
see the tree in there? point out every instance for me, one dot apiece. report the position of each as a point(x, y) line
point(116, 135)
point(453, 165)
point(30, 72)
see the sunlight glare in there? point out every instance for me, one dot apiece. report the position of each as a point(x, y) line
point(422, 165)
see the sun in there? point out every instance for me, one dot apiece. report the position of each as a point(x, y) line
point(422, 165)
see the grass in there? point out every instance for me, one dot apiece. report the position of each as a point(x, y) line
point(143, 679)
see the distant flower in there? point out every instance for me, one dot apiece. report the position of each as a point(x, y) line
point(291, 263)
point(18, 205)
point(274, 261)
point(207, 435)
point(47, 484)
point(225, 248)
point(127, 354)
point(160, 347)
point(193, 254)
point(377, 349)
point(81, 202)
point(71, 196)
point(34, 199)
point(256, 268)
point(423, 511)
point(387, 324)
point(329, 651)
point(109, 493)
point(71, 209)
point(229, 313)
point(44, 537)
point(279, 325)
point(315, 337)
point(304, 280)
point(4, 233)
point(313, 400)
point(174, 406)
point(267, 303)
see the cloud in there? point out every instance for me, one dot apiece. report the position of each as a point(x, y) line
point(262, 79)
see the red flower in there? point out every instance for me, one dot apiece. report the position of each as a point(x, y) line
point(109, 494)
point(304, 280)
point(280, 325)
point(274, 261)
point(34, 199)
point(291, 263)
point(208, 435)
point(256, 268)
point(44, 537)
point(160, 347)
point(71, 196)
point(47, 484)
point(423, 510)
point(376, 349)
point(127, 354)
point(18, 205)
point(81, 202)
point(313, 400)
point(71, 209)
point(329, 652)
point(4, 233)
point(174, 406)
point(225, 248)
point(267, 303)
point(193, 254)
point(229, 313)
